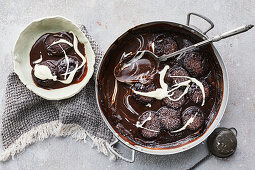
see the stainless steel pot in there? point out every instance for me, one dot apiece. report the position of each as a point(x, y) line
point(214, 124)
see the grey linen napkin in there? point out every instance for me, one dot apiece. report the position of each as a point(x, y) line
point(28, 118)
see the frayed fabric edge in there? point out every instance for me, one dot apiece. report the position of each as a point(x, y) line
point(58, 129)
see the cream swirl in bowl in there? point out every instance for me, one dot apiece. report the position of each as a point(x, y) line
point(53, 58)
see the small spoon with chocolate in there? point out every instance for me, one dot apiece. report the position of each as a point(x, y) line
point(221, 143)
point(137, 67)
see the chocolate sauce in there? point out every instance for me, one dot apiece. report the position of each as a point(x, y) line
point(39, 50)
point(123, 112)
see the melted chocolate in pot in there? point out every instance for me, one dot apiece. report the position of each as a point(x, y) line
point(122, 110)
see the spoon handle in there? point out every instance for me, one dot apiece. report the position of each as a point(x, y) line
point(199, 162)
point(238, 30)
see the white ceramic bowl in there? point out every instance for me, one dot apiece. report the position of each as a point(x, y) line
point(24, 44)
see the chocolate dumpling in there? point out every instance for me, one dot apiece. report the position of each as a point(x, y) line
point(62, 66)
point(195, 93)
point(164, 44)
point(151, 127)
point(175, 104)
point(197, 115)
point(169, 118)
point(176, 71)
point(57, 49)
point(195, 64)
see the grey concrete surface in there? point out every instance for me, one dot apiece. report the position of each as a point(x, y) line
point(108, 19)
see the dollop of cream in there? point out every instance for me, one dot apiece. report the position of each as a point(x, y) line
point(43, 72)
point(161, 93)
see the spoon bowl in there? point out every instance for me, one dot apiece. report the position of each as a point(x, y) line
point(136, 67)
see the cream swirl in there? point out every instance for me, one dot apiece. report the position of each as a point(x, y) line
point(163, 92)
point(43, 72)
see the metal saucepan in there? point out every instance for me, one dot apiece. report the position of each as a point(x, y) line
point(192, 30)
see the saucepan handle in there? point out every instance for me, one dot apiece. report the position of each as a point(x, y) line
point(203, 17)
point(111, 148)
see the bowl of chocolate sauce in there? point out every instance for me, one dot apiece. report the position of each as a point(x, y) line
point(53, 58)
point(164, 107)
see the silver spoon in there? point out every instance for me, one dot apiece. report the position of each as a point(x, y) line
point(135, 57)
point(221, 143)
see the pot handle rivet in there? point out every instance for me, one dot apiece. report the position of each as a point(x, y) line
point(111, 148)
point(203, 17)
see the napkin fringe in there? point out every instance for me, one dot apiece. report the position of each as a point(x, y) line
point(58, 129)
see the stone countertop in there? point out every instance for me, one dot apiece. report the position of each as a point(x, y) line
point(106, 20)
